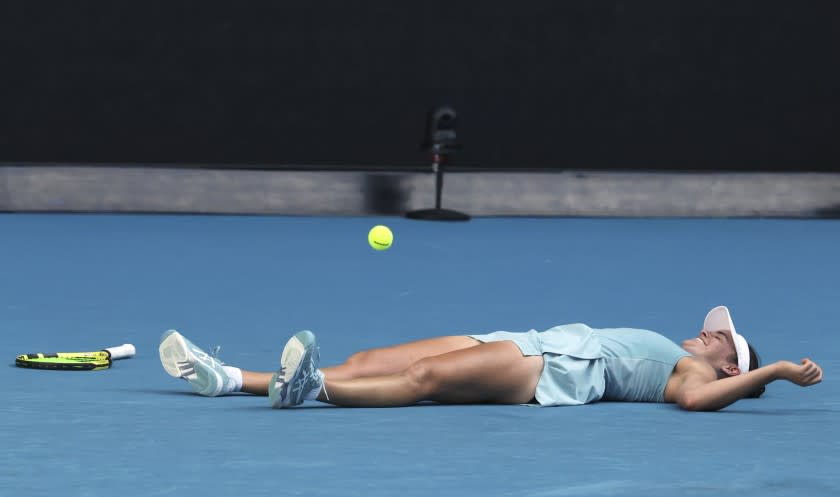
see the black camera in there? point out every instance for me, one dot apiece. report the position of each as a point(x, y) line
point(441, 137)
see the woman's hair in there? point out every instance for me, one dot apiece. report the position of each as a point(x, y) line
point(755, 363)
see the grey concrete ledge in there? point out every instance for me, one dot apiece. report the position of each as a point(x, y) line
point(117, 188)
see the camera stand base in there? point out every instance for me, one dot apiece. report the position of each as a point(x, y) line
point(437, 215)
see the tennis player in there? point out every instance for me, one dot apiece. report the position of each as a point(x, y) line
point(566, 365)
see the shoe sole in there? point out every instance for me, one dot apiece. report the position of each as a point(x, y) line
point(177, 362)
point(173, 350)
point(293, 355)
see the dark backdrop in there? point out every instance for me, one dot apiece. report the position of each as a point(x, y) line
point(550, 83)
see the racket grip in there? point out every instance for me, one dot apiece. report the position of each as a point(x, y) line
point(122, 351)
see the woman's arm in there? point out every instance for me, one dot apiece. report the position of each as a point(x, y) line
point(697, 393)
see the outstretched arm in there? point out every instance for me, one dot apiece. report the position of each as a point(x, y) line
point(699, 392)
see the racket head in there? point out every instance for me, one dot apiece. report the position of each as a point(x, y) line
point(65, 361)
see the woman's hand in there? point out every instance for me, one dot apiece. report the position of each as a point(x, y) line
point(804, 374)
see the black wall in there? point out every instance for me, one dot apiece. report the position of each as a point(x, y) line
point(551, 83)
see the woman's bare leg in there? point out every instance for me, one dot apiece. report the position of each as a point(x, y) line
point(255, 382)
point(395, 359)
point(375, 362)
point(494, 372)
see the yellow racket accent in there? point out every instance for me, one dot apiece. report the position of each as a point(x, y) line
point(76, 361)
point(66, 361)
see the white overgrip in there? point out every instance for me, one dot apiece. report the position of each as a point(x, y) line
point(121, 351)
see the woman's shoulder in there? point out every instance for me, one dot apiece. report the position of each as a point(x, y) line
point(691, 366)
point(689, 370)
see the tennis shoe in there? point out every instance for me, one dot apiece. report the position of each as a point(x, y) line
point(298, 374)
point(204, 372)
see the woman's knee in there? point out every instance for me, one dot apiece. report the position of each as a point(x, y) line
point(422, 378)
point(357, 364)
point(357, 359)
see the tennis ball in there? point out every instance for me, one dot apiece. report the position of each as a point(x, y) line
point(380, 237)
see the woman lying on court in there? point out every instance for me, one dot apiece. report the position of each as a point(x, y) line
point(565, 365)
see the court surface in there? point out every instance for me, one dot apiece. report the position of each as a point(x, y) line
point(74, 282)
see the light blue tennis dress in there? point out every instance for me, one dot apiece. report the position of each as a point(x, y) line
point(584, 365)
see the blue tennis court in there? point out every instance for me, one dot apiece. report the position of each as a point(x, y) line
point(78, 282)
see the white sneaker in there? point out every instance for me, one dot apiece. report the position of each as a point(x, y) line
point(298, 374)
point(204, 372)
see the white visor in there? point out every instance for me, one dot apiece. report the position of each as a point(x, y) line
point(718, 319)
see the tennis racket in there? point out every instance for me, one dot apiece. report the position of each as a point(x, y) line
point(75, 361)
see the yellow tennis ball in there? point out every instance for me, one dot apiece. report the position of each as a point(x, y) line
point(380, 237)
